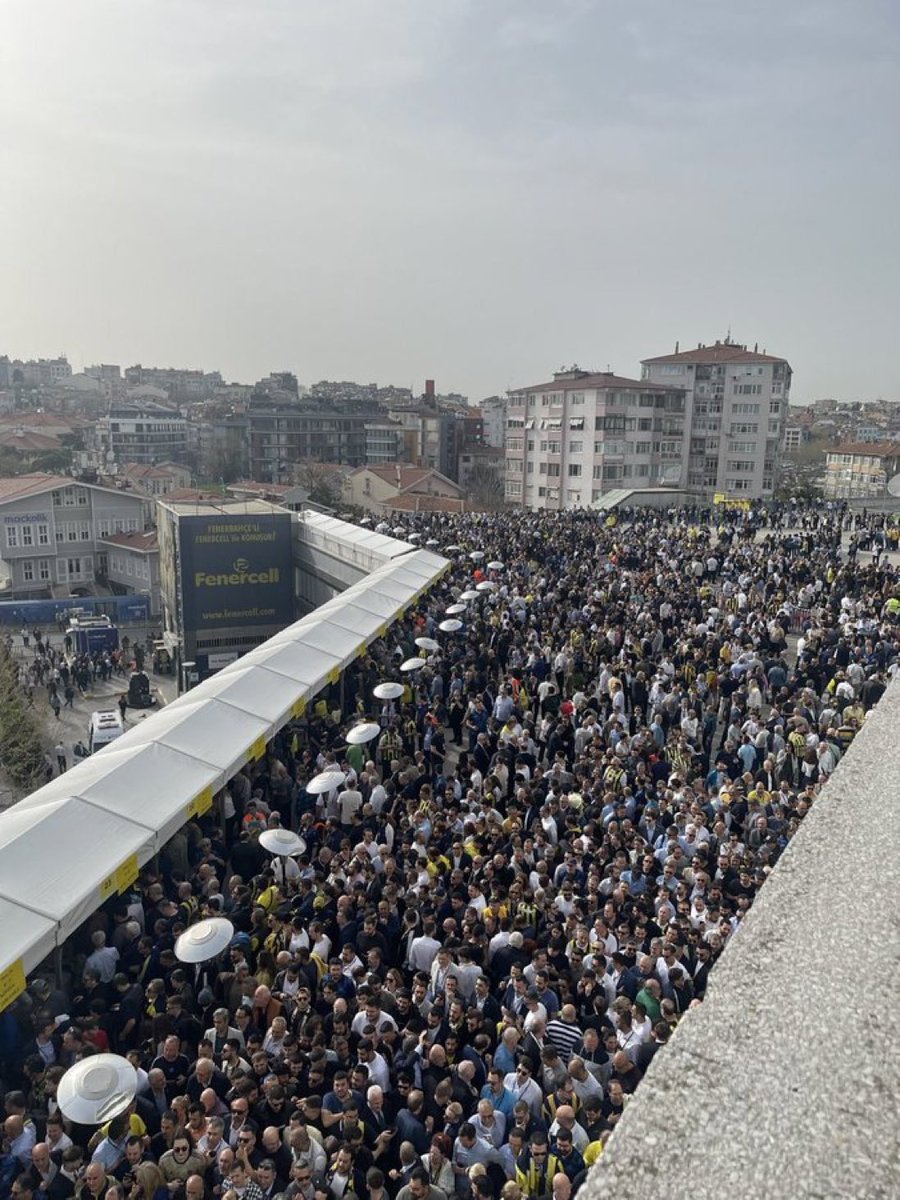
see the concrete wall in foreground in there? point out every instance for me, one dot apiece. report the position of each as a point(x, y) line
point(785, 1082)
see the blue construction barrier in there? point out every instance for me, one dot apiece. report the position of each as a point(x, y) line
point(119, 609)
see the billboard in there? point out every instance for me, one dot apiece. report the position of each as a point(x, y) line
point(236, 570)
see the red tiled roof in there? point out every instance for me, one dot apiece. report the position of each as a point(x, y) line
point(28, 440)
point(600, 380)
point(30, 485)
point(145, 542)
point(710, 355)
point(401, 476)
point(415, 502)
point(872, 449)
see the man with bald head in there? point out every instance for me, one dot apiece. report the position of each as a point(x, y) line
point(564, 1031)
point(43, 1168)
point(21, 1136)
point(565, 1120)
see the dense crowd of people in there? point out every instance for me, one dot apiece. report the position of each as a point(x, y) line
point(511, 899)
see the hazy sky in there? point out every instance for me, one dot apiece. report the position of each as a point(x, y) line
point(475, 190)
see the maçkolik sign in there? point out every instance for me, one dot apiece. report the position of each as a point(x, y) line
point(236, 570)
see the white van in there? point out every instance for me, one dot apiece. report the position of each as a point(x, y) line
point(105, 728)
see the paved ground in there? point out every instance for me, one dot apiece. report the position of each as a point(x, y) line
point(73, 723)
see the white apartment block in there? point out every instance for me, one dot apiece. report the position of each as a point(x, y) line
point(736, 407)
point(583, 434)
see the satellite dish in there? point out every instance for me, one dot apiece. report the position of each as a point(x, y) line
point(893, 485)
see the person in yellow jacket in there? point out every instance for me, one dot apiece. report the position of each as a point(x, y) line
point(536, 1166)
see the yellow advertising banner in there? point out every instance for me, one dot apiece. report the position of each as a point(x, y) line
point(12, 983)
point(127, 873)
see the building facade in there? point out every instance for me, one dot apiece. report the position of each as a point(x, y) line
point(132, 565)
point(860, 470)
point(141, 432)
point(53, 534)
point(736, 406)
point(282, 434)
point(377, 489)
point(582, 434)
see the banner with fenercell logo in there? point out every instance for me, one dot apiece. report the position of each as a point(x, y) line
point(236, 570)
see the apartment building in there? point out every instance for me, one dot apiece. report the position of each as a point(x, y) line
point(582, 434)
point(140, 431)
point(280, 434)
point(54, 531)
point(736, 406)
point(860, 470)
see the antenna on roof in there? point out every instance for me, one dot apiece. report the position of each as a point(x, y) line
point(676, 346)
point(728, 337)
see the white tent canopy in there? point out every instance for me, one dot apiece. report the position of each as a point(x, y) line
point(79, 840)
point(152, 785)
point(24, 935)
point(59, 859)
point(203, 727)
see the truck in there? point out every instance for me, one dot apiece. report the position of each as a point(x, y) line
point(90, 634)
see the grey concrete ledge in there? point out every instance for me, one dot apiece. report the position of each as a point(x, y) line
point(785, 1082)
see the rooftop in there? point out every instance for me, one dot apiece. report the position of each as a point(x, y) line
point(19, 486)
point(721, 352)
point(869, 449)
point(144, 542)
point(595, 380)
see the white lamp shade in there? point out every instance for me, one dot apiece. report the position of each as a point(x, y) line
point(204, 940)
point(388, 691)
point(360, 734)
point(326, 781)
point(451, 625)
point(97, 1088)
point(427, 643)
point(282, 841)
point(413, 664)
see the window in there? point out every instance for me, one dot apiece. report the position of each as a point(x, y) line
point(645, 424)
point(12, 536)
point(69, 497)
point(576, 447)
point(82, 497)
point(642, 447)
point(553, 471)
point(576, 422)
point(529, 470)
point(84, 531)
point(43, 532)
point(27, 535)
point(576, 398)
point(44, 569)
point(28, 570)
point(574, 470)
point(740, 464)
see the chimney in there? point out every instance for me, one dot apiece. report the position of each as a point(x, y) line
point(676, 347)
point(756, 347)
point(429, 389)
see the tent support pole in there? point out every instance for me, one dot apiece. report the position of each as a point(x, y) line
point(58, 966)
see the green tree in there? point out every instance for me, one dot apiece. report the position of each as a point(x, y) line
point(21, 747)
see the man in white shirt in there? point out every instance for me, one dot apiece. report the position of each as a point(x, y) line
point(104, 958)
point(423, 949)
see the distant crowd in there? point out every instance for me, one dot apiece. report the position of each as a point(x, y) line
point(512, 896)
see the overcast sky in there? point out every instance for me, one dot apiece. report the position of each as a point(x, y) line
point(475, 190)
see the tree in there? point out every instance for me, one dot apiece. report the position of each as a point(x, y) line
point(323, 485)
point(486, 488)
point(21, 747)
